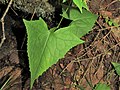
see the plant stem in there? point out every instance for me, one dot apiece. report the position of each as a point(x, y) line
point(62, 16)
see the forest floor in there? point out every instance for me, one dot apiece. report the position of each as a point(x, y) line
point(83, 66)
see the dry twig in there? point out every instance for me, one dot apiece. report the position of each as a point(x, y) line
point(2, 21)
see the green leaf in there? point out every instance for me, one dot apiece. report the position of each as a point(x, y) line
point(74, 14)
point(46, 47)
point(80, 4)
point(117, 67)
point(111, 22)
point(83, 25)
point(64, 1)
point(101, 86)
point(82, 22)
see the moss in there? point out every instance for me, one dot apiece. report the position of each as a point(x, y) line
point(41, 7)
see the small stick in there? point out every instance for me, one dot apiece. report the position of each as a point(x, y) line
point(2, 21)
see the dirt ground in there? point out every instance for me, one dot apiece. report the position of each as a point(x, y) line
point(83, 66)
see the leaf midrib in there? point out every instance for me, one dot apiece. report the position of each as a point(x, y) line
point(43, 51)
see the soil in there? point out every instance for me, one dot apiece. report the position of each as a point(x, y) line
point(83, 66)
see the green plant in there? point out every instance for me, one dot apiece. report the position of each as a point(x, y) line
point(102, 86)
point(80, 4)
point(117, 67)
point(111, 22)
point(64, 1)
point(45, 47)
